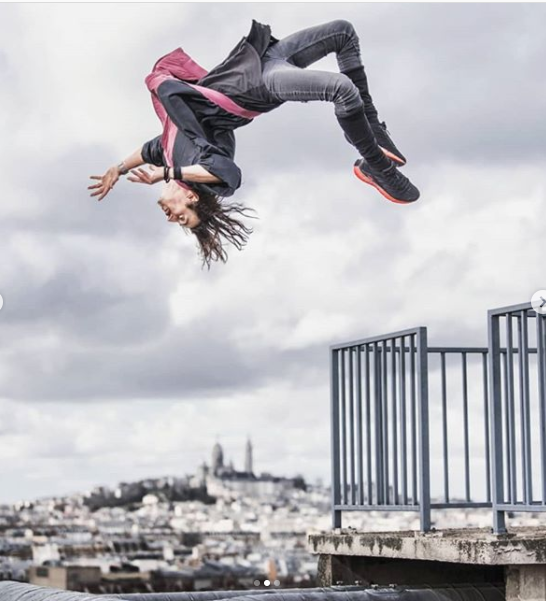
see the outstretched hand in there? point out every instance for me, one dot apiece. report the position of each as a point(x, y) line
point(141, 176)
point(105, 183)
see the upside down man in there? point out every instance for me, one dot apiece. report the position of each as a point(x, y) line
point(200, 111)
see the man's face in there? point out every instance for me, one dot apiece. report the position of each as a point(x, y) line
point(176, 204)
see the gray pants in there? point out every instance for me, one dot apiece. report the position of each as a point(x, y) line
point(287, 79)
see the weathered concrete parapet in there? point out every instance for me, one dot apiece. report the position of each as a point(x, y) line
point(516, 560)
point(469, 546)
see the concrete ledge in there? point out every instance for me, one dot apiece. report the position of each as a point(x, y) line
point(526, 583)
point(523, 546)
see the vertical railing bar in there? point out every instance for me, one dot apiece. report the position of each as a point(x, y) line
point(424, 443)
point(444, 427)
point(499, 518)
point(413, 386)
point(510, 394)
point(334, 418)
point(360, 451)
point(343, 428)
point(508, 426)
point(368, 429)
point(521, 320)
point(385, 406)
point(527, 375)
point(379, 426)
point(541, 369)
point(404, 444)
point(466, 433)
point(486, 428)
point(523, 421)
point(352, 453)
point(395, 477)
point(524, 375)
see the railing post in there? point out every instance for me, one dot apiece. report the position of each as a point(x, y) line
point(424, 448)
point(495, 407)
point(541, 359)
point(334, 421)
point(378, 412)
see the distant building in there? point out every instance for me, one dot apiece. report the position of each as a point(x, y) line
point(225, 481)
point(248, 458)
point(72, 578)
point(217, 457)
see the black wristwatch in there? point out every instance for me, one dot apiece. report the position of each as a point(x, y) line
point(122, 169)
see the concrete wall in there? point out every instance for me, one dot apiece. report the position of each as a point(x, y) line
point(365, 571)
point(514, 561)
point(526, 583)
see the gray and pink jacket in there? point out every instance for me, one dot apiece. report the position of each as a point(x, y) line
point(199, 110)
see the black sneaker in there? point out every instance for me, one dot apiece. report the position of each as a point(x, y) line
point(390, 182)
point(387, 145)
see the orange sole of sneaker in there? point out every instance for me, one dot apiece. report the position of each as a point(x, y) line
point(368, 180)
point(392, 156)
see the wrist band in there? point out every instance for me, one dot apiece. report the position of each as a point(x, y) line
point(122, 169)
point(166, 174)
point(177, 173)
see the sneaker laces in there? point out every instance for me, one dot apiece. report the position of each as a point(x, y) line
point(396, 179)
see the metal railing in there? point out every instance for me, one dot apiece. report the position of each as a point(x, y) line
point(517, 343)
point(383, 450)
point(380, 425)
point(459, 401)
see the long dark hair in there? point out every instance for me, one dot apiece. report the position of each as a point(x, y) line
point(219, 224)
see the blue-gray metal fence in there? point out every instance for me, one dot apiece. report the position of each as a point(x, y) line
point(380, 425)
point(517, 343)
point(382, 391)
point(459, 438)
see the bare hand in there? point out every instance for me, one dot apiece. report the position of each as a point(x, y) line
point(106, 183)
point(141, 176)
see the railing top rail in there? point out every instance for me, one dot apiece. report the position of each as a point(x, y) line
point(345, 345)
point(476, 350)
point(469, 350)
point(512, 309)
point(458, 349)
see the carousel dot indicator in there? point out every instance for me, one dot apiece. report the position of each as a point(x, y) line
point(538, 302)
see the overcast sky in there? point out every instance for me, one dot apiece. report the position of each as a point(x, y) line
point(120, 358)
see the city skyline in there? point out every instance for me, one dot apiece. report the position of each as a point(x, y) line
point(216, 463)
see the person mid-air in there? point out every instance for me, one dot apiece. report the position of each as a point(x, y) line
point(200, 110)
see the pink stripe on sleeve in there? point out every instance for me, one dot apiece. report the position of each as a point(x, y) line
point(225, 102)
